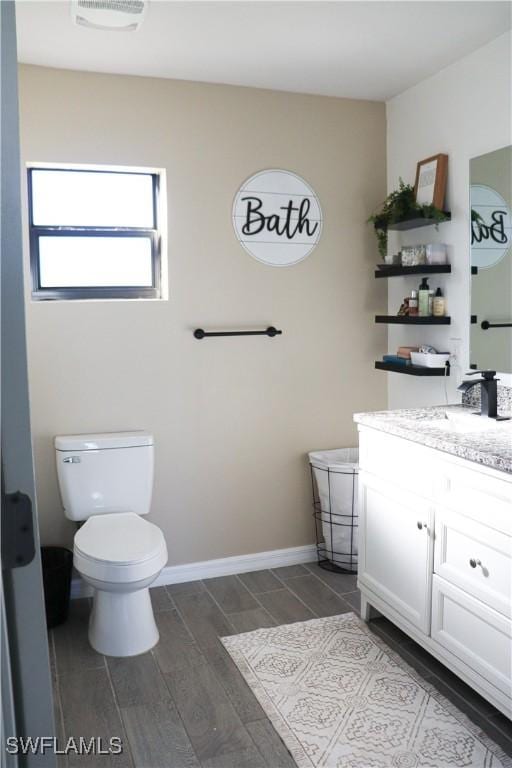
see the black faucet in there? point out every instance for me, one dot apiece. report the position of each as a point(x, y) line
point(489, 390)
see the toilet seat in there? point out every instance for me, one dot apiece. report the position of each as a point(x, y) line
point(119, 547)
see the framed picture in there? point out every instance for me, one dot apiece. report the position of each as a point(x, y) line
point(430, 184)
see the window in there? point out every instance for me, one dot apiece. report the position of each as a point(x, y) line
point(94, 233)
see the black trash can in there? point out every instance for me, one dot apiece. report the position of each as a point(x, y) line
point(57, 563)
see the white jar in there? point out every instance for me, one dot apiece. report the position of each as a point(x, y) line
point(436, 253)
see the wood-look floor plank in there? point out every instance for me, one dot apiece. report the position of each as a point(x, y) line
point(72, 649)
point(185, 588)
point(62, 760)
point(317, 596)
point(161, 599)
point(203, 618)
point(90, 711)
point(248, 621)
point(270, 744)
point(354, 600)
point(231, 594)
point(157, 736)
point(241, 696)
point(289, 571)
point(176, 647)
point(247, 758)
point(340, 582)
point(210, 719)
point(137, 680)
point(260, 581)
point(285, 607)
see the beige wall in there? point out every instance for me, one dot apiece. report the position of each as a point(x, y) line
point(232, 418)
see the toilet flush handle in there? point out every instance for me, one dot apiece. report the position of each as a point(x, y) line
point(71, 460)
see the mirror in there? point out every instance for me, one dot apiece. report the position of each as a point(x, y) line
point(491, 261)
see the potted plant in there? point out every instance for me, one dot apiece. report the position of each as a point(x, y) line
point(401, 205)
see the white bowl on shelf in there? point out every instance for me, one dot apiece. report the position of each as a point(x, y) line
point(430, 359)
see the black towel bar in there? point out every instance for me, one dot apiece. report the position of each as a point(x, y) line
point(485, 325)
point(270, 331)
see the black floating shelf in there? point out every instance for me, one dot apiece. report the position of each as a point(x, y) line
point(418, 221)
point(395, 270)
point(414, 320)
point(412, 370)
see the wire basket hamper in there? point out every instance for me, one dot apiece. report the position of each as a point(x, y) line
point(334, 478)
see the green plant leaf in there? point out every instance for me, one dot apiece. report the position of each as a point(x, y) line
point(398, 206)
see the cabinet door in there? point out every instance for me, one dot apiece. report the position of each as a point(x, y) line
point(396, 548)
point(475, 633)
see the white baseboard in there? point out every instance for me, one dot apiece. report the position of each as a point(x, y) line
point(225, 566)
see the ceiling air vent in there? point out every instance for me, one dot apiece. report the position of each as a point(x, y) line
point(117, 15)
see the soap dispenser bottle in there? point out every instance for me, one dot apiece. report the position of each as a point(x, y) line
point(423, 298)
point(439, 304)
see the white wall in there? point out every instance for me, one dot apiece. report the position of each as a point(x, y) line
point(232, 418)
point(463, 111)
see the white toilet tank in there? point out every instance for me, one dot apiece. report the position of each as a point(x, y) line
point(104, 473)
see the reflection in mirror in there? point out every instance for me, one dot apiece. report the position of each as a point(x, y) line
point(491, 260)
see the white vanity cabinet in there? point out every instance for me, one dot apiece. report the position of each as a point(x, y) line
point(396, 556)
point(435, 556)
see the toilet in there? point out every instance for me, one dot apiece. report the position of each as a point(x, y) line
point(106, 483)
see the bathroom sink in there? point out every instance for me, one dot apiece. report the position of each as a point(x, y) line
point(462, 423)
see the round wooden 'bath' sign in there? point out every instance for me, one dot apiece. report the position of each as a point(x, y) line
point(277, 217)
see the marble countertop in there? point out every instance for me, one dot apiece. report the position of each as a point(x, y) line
point(490, 447)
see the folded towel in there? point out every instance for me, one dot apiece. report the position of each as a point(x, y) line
point(395, 360)
point(406, 352)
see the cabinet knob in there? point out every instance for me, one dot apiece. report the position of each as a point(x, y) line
point(473, 562)
point(421, 525)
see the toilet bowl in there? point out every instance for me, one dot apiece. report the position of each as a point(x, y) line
point(120, 555)
point(106, 480)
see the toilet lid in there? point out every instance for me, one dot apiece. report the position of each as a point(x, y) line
point(120, 538)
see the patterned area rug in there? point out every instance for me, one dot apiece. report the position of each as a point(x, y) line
point(338, 696)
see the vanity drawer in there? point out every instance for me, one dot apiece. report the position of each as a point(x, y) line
point(476, 634)
point(482, 497)
point(476, 558)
